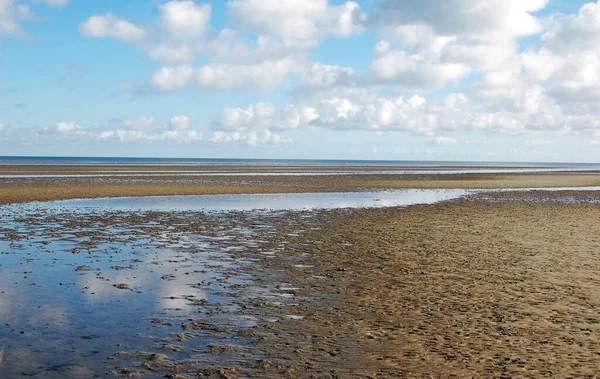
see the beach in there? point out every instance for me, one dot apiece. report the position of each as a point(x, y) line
point(491, 284)
point(52, 182)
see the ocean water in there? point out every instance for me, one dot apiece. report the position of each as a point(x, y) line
point(126, 161)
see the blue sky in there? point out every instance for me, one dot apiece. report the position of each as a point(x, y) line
point(512, 80)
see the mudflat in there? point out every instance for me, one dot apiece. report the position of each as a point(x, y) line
point(468, 288)
point(31, 183)
point(492, 285)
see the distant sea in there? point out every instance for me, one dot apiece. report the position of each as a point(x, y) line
point(119, 161)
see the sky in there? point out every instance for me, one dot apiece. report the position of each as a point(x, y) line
point(467, 80)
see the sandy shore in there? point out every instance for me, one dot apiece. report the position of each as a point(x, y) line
point(461, 289)
point(15, 189)
point(496, 285)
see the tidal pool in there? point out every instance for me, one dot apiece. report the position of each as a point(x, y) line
point(85, 295)
point(292, 201)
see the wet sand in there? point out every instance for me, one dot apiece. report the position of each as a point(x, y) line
point(18, 189)
point(468, 288)
point(496, 285)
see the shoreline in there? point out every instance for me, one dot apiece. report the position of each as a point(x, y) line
point(19, 190)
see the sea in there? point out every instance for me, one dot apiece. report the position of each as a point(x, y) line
point(129, 161)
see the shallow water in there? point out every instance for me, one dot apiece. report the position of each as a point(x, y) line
point(82, 298)
point(271, 202)
point(294, 201)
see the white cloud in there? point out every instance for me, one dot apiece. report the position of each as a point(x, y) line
point(253, 139)
point(233, 46)
point(179, 123)
point(184, 20)
point(442, 43)
point(416, 71)
point(319, 75)
point(143, 129)
point(54, 3)
point(379, 114)
point(454, 17)
point(261, 77)
point(236, 62)
point(297, 19)
point(264, 116)
point(556, 86)
point(576, 32)
point(109, 25)
point(174, 53)
point(67, 127)
point(141, 123)
point(445, 141)
point(11, 14)
point(382, 47)
point(551, 86)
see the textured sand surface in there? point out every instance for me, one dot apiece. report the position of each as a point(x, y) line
point(463, 289)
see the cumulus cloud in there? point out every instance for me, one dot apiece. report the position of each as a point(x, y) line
point(174, 53)
point(237, 62)
point(297, 19)
point(379, 114)
point(455, 17)
point(109, 25)
point(143, 129)
point(568, 63)
point(184, 20)
point(415, 71)
point(576, 32)
point(141, 123)
point(261, 77)
point(253, 139)
point(318, 76)
point(11, 14)
point(67, 127)
point(552, 87)
point(179, 123)
point(470, 48)
point(264, 116)
point(383, 114)
point(441, 43)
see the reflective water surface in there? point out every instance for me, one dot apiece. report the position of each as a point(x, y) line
point(80, 299)
point(293, 201)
